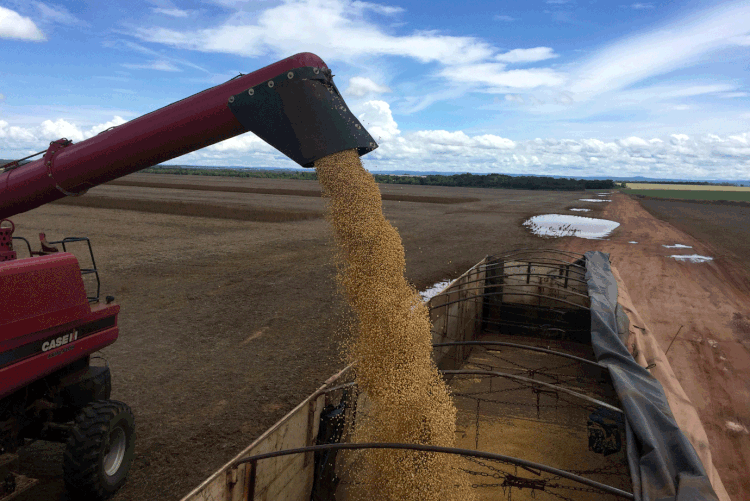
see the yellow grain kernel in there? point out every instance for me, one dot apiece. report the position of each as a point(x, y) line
point(391, 348)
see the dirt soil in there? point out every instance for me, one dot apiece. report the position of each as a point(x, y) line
point(227, 322)
point(709, 300)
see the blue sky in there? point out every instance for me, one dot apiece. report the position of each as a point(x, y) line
point(559, 87)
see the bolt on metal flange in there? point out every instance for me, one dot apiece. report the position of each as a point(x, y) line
point(290, 75)
point(270, 83)
point(316, 70)
point(251, 91)
point(231, 99)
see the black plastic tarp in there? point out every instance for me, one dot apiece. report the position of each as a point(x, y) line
point(663, 463)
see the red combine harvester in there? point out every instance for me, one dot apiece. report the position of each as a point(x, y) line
point(49, 327)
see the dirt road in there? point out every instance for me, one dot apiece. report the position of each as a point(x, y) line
point(711, 301)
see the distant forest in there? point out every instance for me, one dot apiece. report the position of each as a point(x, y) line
point(461, 180)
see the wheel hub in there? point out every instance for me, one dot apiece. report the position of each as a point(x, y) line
point(115, 452)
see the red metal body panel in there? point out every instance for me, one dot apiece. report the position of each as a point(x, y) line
point(180, 128)
point(39, 293)
point(43, 299)
point(35, 367)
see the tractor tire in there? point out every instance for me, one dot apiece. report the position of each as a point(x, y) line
point(99, 450)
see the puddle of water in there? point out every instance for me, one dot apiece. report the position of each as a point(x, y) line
point(436, 289)
point(633, 242)
point(559, 225)
point(695, 258)
point(678, 246)
point(736, 427)
point(583, 210)
point(593, 200)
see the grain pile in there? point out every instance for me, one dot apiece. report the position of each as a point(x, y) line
point(391, 348)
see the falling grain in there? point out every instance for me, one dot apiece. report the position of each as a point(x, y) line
point(391, 350)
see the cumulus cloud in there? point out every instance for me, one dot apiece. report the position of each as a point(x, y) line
point(377, 118)
point(361, 86)
point(505, 18)
point(13, 25)
point(24, 137)
point(527, 55)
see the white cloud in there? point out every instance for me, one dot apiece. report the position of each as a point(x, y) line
point(494, 75)
point(642, 6)
point(501, 17)
point(13, 25)
point(174, 12)
point(339, 34)
point(677, 45)
point(154, 65)
point(377, 118)
point(681, 107)
point(361, 86)
point(527, 55)
point(15, 137)
point(2, 97)
point(514, 98)
point(380, 9)
point(728, 95)
point(557, 2)
point(58, 14)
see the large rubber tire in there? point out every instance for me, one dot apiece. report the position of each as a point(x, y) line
point(99, 450)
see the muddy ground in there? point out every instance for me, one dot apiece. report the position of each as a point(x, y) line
point(707, 303)
point(228, 321)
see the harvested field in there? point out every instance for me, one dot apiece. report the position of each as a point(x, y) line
point(686, 187)
point(296, 193)
point(726, 227)
point(734, 196)
point(707, 303)
point(227, 324)
point(190, 209)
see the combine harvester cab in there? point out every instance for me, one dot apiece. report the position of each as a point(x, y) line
point(561, 391)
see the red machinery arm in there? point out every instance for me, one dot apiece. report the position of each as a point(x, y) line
point(292, 104)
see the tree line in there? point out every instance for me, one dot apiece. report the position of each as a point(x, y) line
point(459, 180)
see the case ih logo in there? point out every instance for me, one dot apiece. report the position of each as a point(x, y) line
point(59, 341)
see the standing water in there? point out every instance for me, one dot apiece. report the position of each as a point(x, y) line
point(391, 349)
point(561, 225)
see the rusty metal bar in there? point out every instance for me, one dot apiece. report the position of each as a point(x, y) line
point(534, 382)
point(567, 291)
point(522, 347)
point(444, 450)
point(488, 294)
